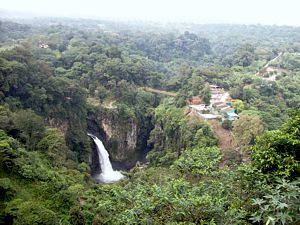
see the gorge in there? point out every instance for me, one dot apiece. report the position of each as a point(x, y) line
point(128, 86)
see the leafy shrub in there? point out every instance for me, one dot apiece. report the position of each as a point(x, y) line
point(227, 124)
point(199, 161)
point(31, 212)
point(32, 166)
point(54, 144)
point(8, 152)
point(7, 189)
point(280, 205)
point(277, 152)
point(77, 216)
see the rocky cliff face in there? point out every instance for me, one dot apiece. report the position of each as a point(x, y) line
point(121, 137)
point(63, 126)
point(125, 138)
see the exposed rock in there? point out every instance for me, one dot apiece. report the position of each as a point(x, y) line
point(122, 136)
point(62, 125)
point(107, 127)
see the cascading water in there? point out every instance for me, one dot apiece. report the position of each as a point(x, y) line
point(107, 175)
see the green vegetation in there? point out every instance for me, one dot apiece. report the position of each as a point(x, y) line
point(131, 87)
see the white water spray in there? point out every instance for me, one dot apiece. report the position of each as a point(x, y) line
point(107, 175)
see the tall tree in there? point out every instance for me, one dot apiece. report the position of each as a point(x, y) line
point(31, 127)
point(277, 151)
point(206, 95)
point(245, 130)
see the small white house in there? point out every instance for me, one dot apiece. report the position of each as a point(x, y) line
point(209, 116)
point(198, 108)
point(232, 116)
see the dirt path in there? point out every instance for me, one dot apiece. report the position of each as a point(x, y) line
point(110, 105)
point(272, 60)
point(227, 143)
point(267, 69)
point(157, 91)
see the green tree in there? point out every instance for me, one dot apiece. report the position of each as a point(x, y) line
point(196, 84)
point(54, 144)
point(277, 152)
point(5, 118)
point(244, 55)
point(206, 95)
point(238, 105)
point(31, 212)
point(7, 153)
point(31, 127)
point(227, 124)
point(199, 161)
point(246, 129)
point(77, 216)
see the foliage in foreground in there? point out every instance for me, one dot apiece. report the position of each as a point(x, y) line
point(192, 191)
point(277, 152)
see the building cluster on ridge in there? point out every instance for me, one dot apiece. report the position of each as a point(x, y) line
point(220, 105)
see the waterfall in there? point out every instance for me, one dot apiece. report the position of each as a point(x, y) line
point(107, 175)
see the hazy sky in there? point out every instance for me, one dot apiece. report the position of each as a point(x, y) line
point(281, 12)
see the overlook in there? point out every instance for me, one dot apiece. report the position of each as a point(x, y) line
point(123, 121)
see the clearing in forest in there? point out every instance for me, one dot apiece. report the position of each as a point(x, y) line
point(226, 143)
point(158, 91)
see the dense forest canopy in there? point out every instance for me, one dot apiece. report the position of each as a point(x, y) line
point(62, 78)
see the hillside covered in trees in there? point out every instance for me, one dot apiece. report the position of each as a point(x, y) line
point(130, 84)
